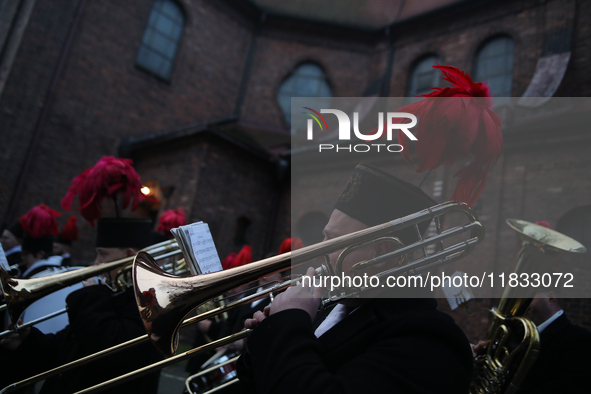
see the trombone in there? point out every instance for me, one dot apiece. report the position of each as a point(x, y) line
point(21, 293)
point(164, 299)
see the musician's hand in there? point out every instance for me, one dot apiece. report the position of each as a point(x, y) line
point(13, 341)
point(256, 319)
point(89, 282)
point(299, 297)
point(478, 349)
point(204, 325)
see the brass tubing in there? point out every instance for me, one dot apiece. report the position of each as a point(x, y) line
point(20, 293)
point(132, 342)
point(164, 363)
point(208, 370)
point(33, 322)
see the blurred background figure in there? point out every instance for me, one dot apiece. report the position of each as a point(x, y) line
point(40, 228)
point(63, 244)
point(11, 240)
point(98, 319)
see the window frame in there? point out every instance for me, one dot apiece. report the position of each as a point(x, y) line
point(413, 69)
point(151, 27)
point(477, 65)
point(322, 77)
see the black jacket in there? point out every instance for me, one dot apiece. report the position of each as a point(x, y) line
point(387, 345)
point(563, 364)
point(98, 320)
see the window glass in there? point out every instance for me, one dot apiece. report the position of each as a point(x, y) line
point(307, 80)
point(424, 77)
point(161, 39)
point(494, 64)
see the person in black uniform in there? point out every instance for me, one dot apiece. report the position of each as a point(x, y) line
point(563, 364)
point(98, 319)
point(394, 345)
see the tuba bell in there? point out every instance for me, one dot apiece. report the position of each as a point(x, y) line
point(513, 340)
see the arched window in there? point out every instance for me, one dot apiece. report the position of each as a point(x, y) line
point(307, 80)
point(494, 64)
point(423, 77)
point(577, 225)
point(161, 39)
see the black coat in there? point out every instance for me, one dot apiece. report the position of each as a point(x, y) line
point(98, 320)
point(387, 345)
point(233, 324)
point(564, 362)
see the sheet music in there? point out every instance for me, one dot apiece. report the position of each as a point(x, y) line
point(198, 247)
point(204, 249)
point(181, 239)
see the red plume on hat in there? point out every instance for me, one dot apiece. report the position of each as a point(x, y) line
point(290, 244)
point(171, 219)
point(243, 257)
point(454, 130)
point(227, 262)
point(70, 230)
point(40, 221)
point(109, 177)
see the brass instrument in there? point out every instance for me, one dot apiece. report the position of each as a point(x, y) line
point(513, 341)
point(20, 293)
point(220, 367)
point(165, 299)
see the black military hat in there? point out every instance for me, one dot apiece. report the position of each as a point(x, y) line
point(123, 233)
point(373, 197)
point(35, 245)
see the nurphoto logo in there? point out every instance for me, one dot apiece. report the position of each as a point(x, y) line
point(394, 123)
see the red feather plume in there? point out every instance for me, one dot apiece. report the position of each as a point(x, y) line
point(290, 244)
point(70, 231)
point(171, 219)
point(243, 257)
point(227, 262)
point(109, 177)
point(465, 128)
point(40, 222)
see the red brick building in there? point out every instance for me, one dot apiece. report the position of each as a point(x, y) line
point(203, 120)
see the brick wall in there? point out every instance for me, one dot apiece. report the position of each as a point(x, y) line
point(219, 183)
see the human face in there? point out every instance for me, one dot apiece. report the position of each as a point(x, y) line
point(541, 308)
point(106, 255)
point(58, 249)
point(341, 224)
point(8, 240)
